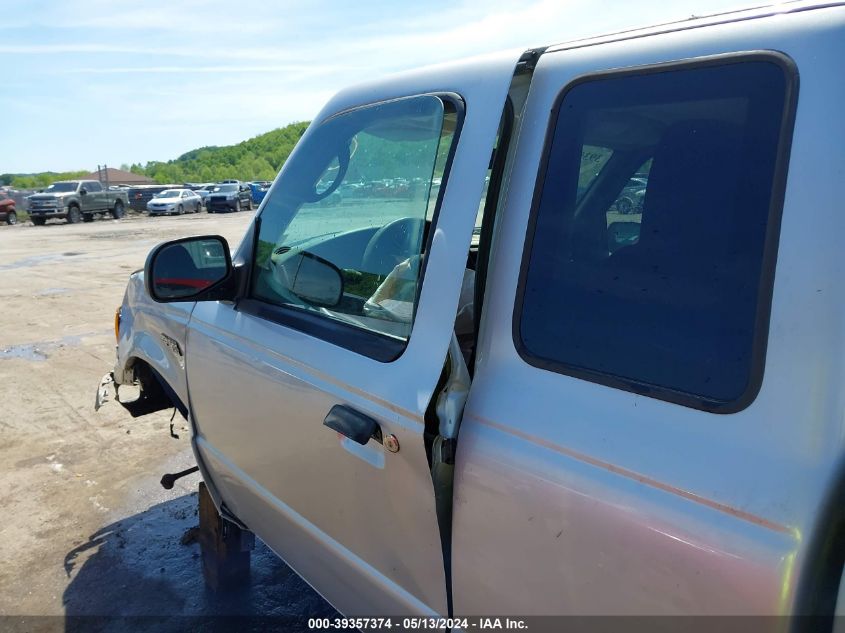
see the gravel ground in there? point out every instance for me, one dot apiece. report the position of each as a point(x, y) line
point(87, 530)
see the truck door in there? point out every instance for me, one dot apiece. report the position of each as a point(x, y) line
point(309, 394)
point(95, 199)
point(620, 450)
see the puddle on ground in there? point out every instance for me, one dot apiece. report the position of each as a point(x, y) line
point(41, 351)
point(53, 291)
point(24, 352)
point(35, 260)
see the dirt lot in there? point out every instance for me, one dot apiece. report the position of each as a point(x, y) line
point(87, 530)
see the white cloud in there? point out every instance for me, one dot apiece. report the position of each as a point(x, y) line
point(158, 77)
point(265, 69)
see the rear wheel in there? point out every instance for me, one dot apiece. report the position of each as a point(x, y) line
point(74, 215)
point(11, 218)
point(39, 221)
point(118, 211)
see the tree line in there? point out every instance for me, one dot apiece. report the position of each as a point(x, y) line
point(258, 158)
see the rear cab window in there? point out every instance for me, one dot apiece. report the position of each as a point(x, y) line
point(650, 251)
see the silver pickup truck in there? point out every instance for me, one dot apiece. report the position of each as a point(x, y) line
point(444, 374)
point(76, 200)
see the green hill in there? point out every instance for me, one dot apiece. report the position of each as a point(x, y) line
point(258, 158)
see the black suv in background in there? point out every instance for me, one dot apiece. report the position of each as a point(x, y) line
point(229, 197)
point(139, 196)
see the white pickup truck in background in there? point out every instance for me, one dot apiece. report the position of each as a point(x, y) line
point(430, 394)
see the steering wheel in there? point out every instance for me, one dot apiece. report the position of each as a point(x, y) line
point(392, 244)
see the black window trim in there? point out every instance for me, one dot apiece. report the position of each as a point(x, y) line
point(488, 221)
point(770, 244)
point(375, 345)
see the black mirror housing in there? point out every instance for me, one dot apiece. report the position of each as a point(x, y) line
point(311, 278)
point(191, 269)
point(318, 281)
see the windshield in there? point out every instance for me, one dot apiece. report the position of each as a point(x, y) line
point(173, 193)
point(61, 186)
point(226, 188)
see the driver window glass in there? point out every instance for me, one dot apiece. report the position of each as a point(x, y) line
point(343, 233)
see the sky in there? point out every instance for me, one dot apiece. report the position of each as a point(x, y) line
point(91, 82)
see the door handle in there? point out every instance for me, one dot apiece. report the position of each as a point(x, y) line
point(354, 425)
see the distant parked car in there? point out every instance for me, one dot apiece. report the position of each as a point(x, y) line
point(228, 197)
point(139, 196)
point(259, 189)
point(205, 191)
point(7, 209)
point(75, 201)
point(176, 201)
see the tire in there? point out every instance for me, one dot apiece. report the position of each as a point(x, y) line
point(181, 210)
point(118, 211)
point(74, 215)
point(11, 218)
point(249, 205)
point(237, 206)
point(39, 221)
point(87, 217)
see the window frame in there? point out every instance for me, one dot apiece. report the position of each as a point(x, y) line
point(771, 239)
point(372, 344)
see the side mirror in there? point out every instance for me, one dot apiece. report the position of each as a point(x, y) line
point(313, 279)
point(190, 269)
point(83, 191)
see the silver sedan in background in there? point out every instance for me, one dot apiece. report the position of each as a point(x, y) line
point(177, 201)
